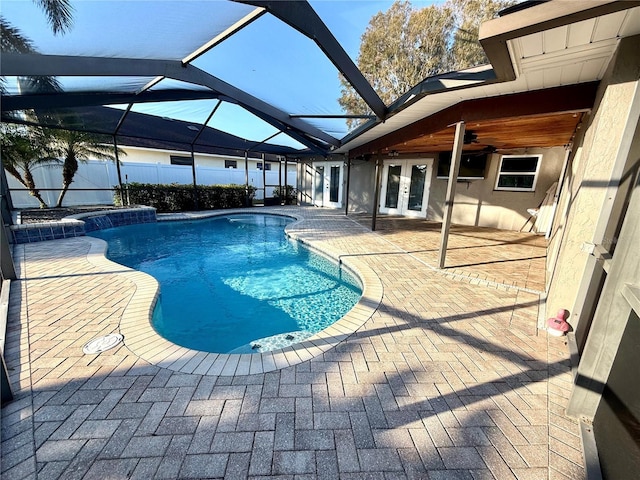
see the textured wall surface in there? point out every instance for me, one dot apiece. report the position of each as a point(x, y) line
point(587, 201)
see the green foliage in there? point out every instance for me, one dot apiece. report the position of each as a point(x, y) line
point(403, 46)
point(287, 192)
point(23, 149)
point(181, 198)
point(469, 15)
point(74, 147)
point(59, 15)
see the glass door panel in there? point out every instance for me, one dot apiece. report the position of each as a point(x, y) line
point(416, 187)
point(334, 184)
point(393, 186)
point(327, 186)
point(405, 187)
point(318, 186)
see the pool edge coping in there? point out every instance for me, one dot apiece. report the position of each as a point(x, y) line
point(143, 341)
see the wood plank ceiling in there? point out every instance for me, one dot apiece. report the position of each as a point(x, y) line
point(502, 134)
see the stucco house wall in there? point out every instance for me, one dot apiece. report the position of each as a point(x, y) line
point(590, 201)
point(478, 203)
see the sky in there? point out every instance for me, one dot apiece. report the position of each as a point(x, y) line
point(267, 59)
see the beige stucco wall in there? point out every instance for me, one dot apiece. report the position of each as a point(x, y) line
point(478, 203)
point(590, 195)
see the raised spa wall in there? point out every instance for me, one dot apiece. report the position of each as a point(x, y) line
point(81, 224)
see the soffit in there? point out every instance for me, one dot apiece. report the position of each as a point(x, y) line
point(574, 53)
point(539, 131)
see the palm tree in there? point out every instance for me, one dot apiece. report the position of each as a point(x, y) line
point(23, 149)
point(74, 147)
point(59, 15)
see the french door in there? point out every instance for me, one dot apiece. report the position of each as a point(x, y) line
point(327, 184)
point(405, 187)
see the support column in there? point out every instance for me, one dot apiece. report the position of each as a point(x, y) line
point(346, 199)
point(6, 205)
point(246, 178)
point(280, 177)
point(6, 260)
point(115, 151)
point(456, 155)
point(286, 183)
point(376, 195)
point(195, 183)
point(264, 180)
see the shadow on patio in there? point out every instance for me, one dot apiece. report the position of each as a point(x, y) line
point(500, 256)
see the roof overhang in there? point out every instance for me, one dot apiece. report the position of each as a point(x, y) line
point(534, 52)
point(495, 34)
point(538, 107)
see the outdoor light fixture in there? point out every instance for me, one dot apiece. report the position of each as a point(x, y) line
point(393, 153)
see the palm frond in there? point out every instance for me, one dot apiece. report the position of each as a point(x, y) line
point(59, 14)
point(12, 40)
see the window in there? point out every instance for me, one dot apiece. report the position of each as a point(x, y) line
point(472, 165)
point(180, 160)
point(267, 166)
point(518, 173)
point(230, 164)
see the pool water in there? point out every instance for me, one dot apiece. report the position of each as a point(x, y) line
point(234, 284)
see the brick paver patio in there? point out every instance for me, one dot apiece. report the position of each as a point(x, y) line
point(448, 379)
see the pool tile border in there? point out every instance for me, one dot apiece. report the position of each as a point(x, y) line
point(144, 341)
point(78, 225)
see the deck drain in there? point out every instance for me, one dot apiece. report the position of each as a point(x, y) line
point(101, 344)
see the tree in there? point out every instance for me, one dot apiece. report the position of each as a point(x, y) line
point(469, 15)
point(403, 46)
point(23, 149)
point(74, 147)
point(59, 15)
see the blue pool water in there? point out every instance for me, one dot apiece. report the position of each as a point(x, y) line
point(234, 284)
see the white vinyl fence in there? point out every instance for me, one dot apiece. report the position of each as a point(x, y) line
point(95, 175)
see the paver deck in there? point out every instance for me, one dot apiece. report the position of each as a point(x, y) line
point(448, 378)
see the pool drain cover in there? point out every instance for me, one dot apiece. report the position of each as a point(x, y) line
point(101, 344)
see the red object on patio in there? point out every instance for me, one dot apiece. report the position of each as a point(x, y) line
point(557, 325)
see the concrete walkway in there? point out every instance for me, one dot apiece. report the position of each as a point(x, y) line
point(448, 379)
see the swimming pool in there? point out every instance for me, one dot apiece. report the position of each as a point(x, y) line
point(236, 283)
